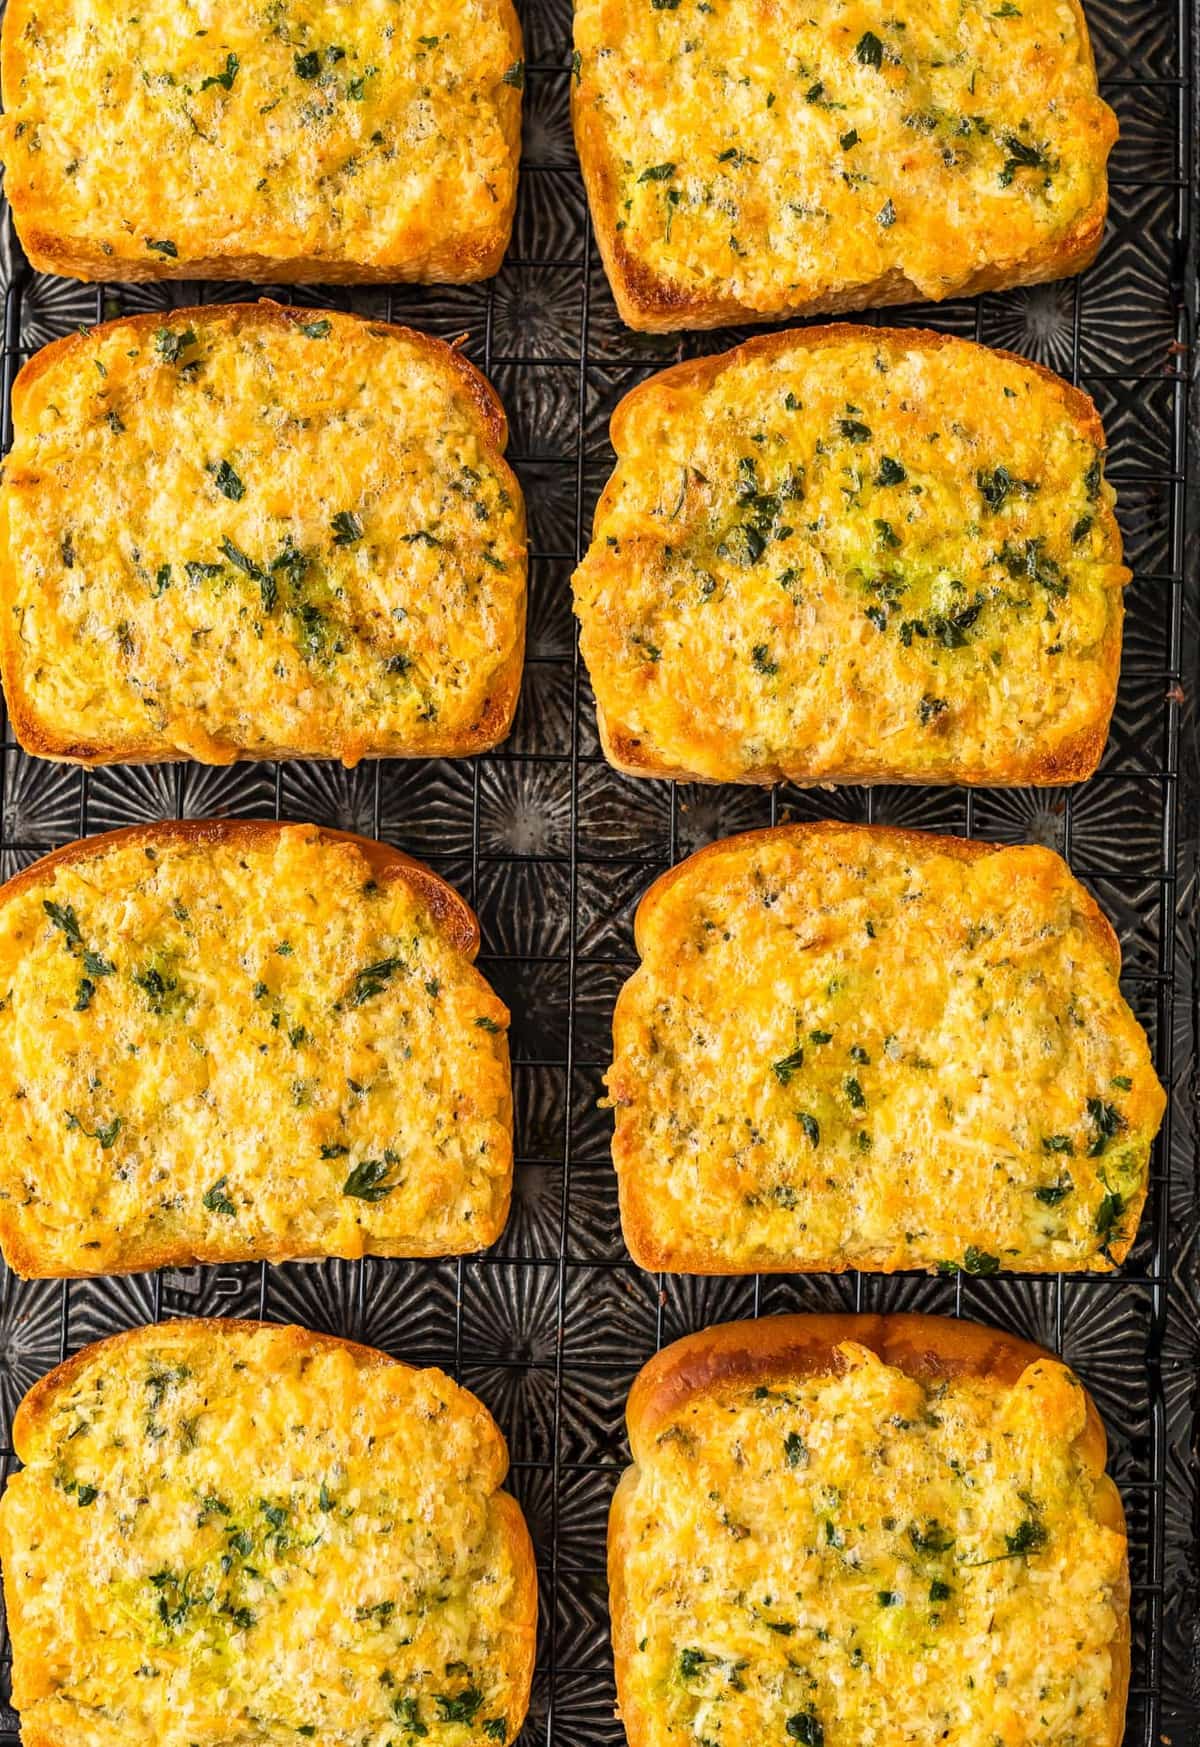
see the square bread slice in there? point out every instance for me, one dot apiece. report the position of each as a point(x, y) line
point(750, 160)
point(850, 554)
point(310, 140)
point(842, 1529)
point(229, 1041)
point(244, 531)
point(848, 1046)
point(235, 1532)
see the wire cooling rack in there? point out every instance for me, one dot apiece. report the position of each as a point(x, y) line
point(554, 848)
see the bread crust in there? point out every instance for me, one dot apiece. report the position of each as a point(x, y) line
point(649, 303)
point(451, 914)
point(79, 257)
point(39, 737)
point(35, 1410)
point(643, 1238)
point(449, 909)
point(1072, 761)
point(928, 1348)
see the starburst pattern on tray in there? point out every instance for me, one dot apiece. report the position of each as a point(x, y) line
point(555, 849)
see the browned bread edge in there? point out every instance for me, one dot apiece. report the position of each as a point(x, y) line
point(929, 1348)
point(641, 1240)
point(39, 738)
point(37, 1405)
point(79, 258)
point(650, 303)
point(451, 914)
point(1071, 762)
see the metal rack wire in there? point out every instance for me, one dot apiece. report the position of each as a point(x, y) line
point(553, 849)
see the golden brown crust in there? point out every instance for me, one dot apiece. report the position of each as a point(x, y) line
point(1072, 761)
point(39, 738)
point(36, 1407)
point(919, 844)
point(451, 914)
point(929, 1348)
point(460, 264)
point(694, 375)
point(651, 304)
point(448, 908)
point(642, 1231)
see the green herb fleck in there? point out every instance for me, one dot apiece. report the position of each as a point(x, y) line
point(216, 1200)
point(795, 1450)
point(225, 79)
point(373, 979)
point(228, 483)
point(171, 346)
point(1050, 1194)
point(790, 1064)
point(106, 1132)
point(1106, 1121)
point(368, 1180)
point(462, 1707)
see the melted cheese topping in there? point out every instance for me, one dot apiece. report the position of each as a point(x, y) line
point(866, 558)
point(841, 1051)
point(786, 155)
point(317, 134)
point(857, 1559)
point(234, 533)
point(224, 1538)
point(236, 1050)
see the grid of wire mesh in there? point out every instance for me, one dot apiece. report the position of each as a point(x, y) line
point(553, 849)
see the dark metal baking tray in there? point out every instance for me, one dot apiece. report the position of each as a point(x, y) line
point(553, 848)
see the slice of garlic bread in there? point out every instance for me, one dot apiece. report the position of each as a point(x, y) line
point(240, 1041)
point(853, 1047)
point(843, 1529)
point(749, 160)
point(249, 531)
point(850, 554)
point(229, 1533)
point(313, 140)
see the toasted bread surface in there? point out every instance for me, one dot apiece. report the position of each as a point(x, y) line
point(849, 1528)
point(849, 554)
point(249, 531)
point(328, 141)
point(852, 1047)
point(231, 1532)
point(749, 160)
point(233, 1041)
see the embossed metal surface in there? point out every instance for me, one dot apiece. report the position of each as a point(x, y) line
point(554, 848)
